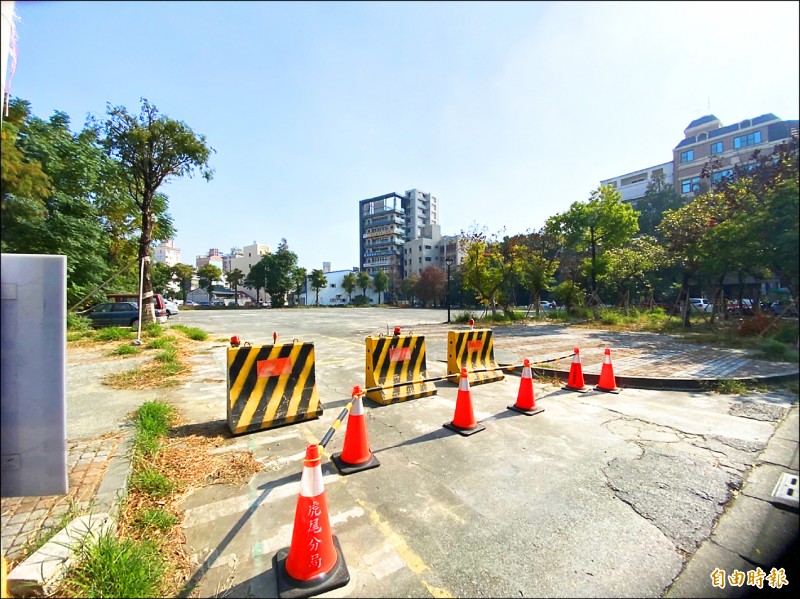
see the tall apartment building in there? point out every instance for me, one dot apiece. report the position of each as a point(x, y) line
point(386, 223)
point(431, 248)
point(166, 253)
point(228, 258)
point(706, 140)
point(213, 257)
point(250, 254)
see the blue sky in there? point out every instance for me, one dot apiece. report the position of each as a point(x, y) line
point(507, 112)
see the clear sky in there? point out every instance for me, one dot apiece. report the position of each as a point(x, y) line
point(507, 112)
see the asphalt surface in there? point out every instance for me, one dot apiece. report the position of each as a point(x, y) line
point(644, 493)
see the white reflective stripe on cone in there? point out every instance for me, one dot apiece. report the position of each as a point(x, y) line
point(526, 372)
point(311, 482)
point(358, 407)
point(464, 384)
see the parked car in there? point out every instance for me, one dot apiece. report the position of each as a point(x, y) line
point(159, 306)
point(112, 314)
point(700, 304)
point(545, 305)
point(779, 308)
point(171, 307)
point(743, 309)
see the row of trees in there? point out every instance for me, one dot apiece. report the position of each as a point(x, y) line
point(93, 196)
point(604, 251)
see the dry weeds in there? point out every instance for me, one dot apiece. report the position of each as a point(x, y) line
point(184, 459)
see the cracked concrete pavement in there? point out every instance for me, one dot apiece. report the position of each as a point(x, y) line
point(599, 495)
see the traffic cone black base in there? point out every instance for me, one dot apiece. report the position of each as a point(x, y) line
point(614, 390)
point(582, 390)
point(526, 412)
point(464, 432)
point(346, 468)
point(291, 588)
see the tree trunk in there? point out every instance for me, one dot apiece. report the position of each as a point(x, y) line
point(147, 311)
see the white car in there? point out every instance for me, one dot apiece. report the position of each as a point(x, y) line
point(172, 307)
point(700, 304)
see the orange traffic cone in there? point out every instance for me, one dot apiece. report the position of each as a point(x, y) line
point(314, 563)
point(355, 455)
point(606, 382)
point(526, 403)
point(575, 380)
point(464, 420)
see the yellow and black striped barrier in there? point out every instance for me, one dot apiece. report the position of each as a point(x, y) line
point(393, 361)
point(270, 386)
point(473, 350)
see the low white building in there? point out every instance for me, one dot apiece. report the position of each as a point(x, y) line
point(333, 294)
point(633, 186)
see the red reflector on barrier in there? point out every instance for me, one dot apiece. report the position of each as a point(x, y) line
point(399, 354)
point(474, 345)
point(276, 367)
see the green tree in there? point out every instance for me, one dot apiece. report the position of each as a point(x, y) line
point(162, 275)
point(208, 273)
point(538, 262)
point(184, 274)
point(51, 179)
point(380, 282)
point(363, 281)
point(593, 228)
point(280, 270)
point(629, 268)
point(659, 197)
point(349, 284)
point(235, 278)
point(488, 265)
point(318, 281)
point(299, 279)
point(150, 150)
point(408, 285)
point(257, 277)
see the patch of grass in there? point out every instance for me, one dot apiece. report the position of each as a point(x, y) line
point(153, 329)
point(114, 334)
point(464, 317)
point(160, 343)
point(730, 387)
point(191, 332)
point(151, 482)
point(152, 422)
point(154, 518)
point(155, 417)
point(170, 354)
point(126, 349)
point(112, 567)
point(774, 350)
point(78, 323)
point(78, 335)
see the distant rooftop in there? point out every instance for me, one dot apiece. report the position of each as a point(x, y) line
point(702, 120)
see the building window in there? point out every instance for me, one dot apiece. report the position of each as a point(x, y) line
point(427, 259)
point(716, 148)
point(719, 176)
point(750, 139)
point(687, 156)
point(690, 185)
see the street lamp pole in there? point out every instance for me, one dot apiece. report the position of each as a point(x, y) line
point(448, 262)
